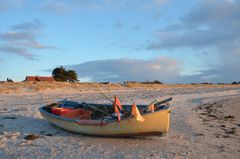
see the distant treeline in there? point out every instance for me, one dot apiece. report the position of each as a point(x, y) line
point(216, 83)
point(236, 82)
point(146, 82)
point(125, 82)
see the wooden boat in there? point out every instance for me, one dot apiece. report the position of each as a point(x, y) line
point(155, 123)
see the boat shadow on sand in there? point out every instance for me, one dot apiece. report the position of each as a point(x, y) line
point(32, 128)
point(29, 125)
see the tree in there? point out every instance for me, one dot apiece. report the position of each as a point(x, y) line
point(60, 74)
point(157, 82)
point(72, 75)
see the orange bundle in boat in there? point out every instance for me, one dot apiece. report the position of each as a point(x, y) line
point(78, 113)
point(60, 111)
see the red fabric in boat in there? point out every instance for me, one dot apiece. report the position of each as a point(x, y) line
point(60, 111)
point(78, 113)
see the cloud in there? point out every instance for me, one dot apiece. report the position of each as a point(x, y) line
point(160, 2)
point(119, 25)
point(162, 68)
point(9, 4)
point(59, 7)
point(203, 26)
point(62, 7)
point(31, 26)
point(152, 3)
point(211, 25)
point(137, 27)
point(22, 39)
point(18, 51)
point(15, 36)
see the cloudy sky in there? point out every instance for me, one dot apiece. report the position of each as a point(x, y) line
point(173, 41)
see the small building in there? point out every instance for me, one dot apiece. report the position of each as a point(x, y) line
point(38, 78)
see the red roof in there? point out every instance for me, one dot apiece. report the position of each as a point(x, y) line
point(39, 78)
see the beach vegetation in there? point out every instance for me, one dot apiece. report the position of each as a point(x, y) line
point(63, 75)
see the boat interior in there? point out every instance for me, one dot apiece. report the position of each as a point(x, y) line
point(103, 111)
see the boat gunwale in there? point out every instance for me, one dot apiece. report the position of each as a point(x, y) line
point(41, 109)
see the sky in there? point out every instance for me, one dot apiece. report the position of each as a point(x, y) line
point(173, 41)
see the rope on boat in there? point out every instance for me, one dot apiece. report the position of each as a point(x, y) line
point(95, 108)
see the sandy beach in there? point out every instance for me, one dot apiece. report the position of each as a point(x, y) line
point(205, 122)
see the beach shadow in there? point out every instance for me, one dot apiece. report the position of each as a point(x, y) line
point(40, 127)
point(30, 125)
